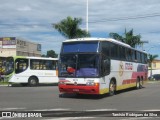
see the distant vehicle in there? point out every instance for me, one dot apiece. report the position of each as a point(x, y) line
point(154, 77)
point(32, 70)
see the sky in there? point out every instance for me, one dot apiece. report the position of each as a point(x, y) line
point(32, 20)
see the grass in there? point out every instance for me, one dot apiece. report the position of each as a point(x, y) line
point(3, 82)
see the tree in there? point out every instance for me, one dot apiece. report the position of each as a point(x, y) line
point(151, 58)
point(50, 53)
point(69, 28)
point(128, 38)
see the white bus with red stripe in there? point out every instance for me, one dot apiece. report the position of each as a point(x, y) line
point(99, 66)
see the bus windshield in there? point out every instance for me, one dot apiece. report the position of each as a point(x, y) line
point(91, 46)
point(6, 65)
point(9, 65)
point(79, 65)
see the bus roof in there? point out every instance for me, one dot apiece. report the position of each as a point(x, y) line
point(43, 58)
point(30, 57)
point(98, 39)
point(102, 39)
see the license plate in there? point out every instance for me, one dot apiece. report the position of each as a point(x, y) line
point(76, 90)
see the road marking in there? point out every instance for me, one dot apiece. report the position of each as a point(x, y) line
point(55, 109)
point(70, 118)
point(12, 108)
point(151, 110)
point(102, 110)
point(135, 118)
point(140, 118)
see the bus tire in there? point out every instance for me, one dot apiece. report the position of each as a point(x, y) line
point(33, 81)
point(139, 83)
point(61, 95)
point(112, 88)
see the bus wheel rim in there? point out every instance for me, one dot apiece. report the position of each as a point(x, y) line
point(33, 82)
point(141, 83)
point(111, 87)
point(138, 84)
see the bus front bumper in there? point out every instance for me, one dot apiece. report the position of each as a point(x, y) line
point(80, 89)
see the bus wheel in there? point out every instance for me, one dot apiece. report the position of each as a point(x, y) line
point(112, 87)
point(33, 81)
point(139, 83)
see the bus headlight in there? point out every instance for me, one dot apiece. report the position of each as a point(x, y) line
point(62, 83)
point(90, 83)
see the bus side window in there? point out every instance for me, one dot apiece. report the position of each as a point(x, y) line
point(44, 67)
point(106, 48)
point(139, 57)
point(122, 54)
point(105, 67)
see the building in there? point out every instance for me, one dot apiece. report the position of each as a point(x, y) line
point(155, 67)
point(12, 46)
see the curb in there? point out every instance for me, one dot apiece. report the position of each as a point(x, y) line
point(153, 82)
point(3, 85)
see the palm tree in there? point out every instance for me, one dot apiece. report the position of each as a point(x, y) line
point(151, 58)
point(69, 28)
point(129, 38)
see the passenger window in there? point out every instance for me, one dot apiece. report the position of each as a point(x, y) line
point(114, 51)
point(105, 67)
point(106, 48)
point(122, 53)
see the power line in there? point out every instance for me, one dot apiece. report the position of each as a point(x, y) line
point(96, 21)
point(23, 24)
point(127, 18)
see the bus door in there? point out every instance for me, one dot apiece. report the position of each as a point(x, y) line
point(105, 70)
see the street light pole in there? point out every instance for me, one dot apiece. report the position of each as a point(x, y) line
point(87, 17)
point(143, 43)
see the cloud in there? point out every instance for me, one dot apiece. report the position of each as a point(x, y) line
point(32, 19)
point(25, 8)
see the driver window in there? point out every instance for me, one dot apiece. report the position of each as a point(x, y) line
point(21, 65)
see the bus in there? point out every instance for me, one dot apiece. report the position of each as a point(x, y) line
point(2, 68)
point(6, 68)
point(33, 70)
point(99, 66)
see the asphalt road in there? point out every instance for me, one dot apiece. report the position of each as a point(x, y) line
point(46, 98)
